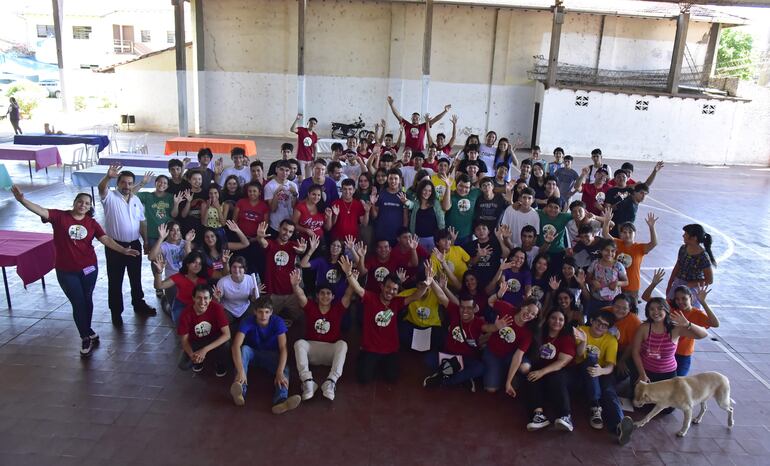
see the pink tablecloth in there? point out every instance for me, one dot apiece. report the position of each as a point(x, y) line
point(33, 254)
point(44, 156)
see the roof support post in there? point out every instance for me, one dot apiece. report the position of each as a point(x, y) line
point(677, 57)
point(181, 66)
point(426, 46)
point(553, 52)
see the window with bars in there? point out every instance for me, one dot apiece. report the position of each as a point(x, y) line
point(146, 36)
point(170, 37)
point(45, 30)
point(708, 109)
point(642, 105)
point(581, 101)
point(81, 32)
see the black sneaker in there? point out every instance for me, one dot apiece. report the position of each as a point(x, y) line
point(625, 428)
point(538, 422)
point(432, 381)
point(184, 362)
point(86, 347)
point(197, 367)
point(221, 370)
point(117, 321)
point(94, 338)
point(145, 309)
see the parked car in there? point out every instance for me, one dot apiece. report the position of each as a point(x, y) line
point(52, 85)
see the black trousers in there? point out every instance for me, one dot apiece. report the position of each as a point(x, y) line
point(117, 264)
point(553, 388)
point(372, 364)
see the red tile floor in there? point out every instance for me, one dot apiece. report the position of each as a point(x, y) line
point(129, 404)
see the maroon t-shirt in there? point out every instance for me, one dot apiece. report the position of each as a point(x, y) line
point(250, 216)
point(463, 338)
point(401, 259)
point(305, 143)
point(377, 271)
point(323, 327)
point(72, 240)
point(280, 262)
point(415, 135)
point(551, 347)
point(208, 324)
point(380, 324)
point(313, 222)
point(508, 339)
point(185, 288)
point(348, 220)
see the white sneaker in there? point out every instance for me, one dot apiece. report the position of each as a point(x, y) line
point(564, 423)
point(596, 418)
point(328, 388)
point(309, 387)
point(538, 422)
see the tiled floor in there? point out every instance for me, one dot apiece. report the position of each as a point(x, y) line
point(129, 404)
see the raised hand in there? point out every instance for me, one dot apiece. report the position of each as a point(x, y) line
point(429, 274)
point(651, 219)
point(658, 167)
point(350, 243)
point(17, 193)
point(300, 116)
point(447, 107)
point(217, 294)
point(262, 230)
point(702, 293)
point(373, 197)
point(295, 277)
point(219, 166)
point(361, 249)
point(584, 172)
point(427, 118)
point(188, 195)
point(657, 277)
point(233, 226)
point(678, 319)
point(336, 209)
point(503, 231)
point(549, 236)
point(160, 263)
point(190, 236)
point(580, 336)
point(452, 233)
point(438, 255)
point(413, 243)
point(554, 283)
point(162, 231)
point(328, 212)
point(345, 264)
point(453, 119)
point(580, 277)
point(226, 254)
point(301, 245)
point(502, 288)
point(178, 198)
point(147, 177)
point(314, 241)
point(502, 322)
point(607, 212)
point(401, 274)
point(114, 170)
point(390, 100)
point(505, 264)
point(443, 280)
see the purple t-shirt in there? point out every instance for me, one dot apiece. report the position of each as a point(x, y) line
point(516, 283)
point(390, 216)
point(329, 190)
point(331, 274)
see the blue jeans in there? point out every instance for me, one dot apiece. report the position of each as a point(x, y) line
point(495, 369)
point(682, 364)
point(176, 310)
point(601, 392)
point(472, 369)
point(267, 360)
point(79, 289)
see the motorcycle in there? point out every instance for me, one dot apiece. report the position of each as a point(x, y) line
point(347, 130)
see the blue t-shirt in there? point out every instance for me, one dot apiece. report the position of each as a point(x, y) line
point(517, 281)
point(331, 274)
point(390, 216)
point(262, 338)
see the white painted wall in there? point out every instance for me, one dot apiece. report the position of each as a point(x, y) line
point(673, 129)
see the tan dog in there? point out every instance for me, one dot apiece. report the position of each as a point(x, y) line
point(684, 393)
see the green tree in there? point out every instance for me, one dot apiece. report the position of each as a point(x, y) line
point(734, 54)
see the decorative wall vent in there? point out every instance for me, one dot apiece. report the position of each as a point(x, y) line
point(709, 109)
point(642, 105)
point(581, 101)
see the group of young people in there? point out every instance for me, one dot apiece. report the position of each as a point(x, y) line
point(513, 275)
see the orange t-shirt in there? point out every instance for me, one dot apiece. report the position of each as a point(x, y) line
point(686, 345)
point(627, 327)
point(631, 258)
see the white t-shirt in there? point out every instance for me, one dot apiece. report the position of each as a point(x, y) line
point(235, 296)
point(409, 174)
point(517, 220)
point(244, 175)
point(487, 155)
point(121, 218)
point(174, 254)
point(285, 207)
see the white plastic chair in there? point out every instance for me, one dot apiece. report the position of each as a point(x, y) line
point(92, 155)
point(76, 163)
point(111, 134)
point(140, 145)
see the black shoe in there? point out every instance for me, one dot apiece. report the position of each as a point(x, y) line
point(94, 337)
point(86, 347)
point(184, 362)
point(197, 368)
point(625, 428)
point(144, 308)
point(432, 381)
point(221, 370)
point(117, 321)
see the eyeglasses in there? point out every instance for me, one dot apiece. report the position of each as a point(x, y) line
point(602, 324)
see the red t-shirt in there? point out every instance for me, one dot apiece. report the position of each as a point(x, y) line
point(72, 240)
point(415, 135)
point(432, 165)
point(591, 194)
point(446, 150)
point(280, 262)
point(401, 258)
point(305, 143)
point(463, 338)
point(250, 216)
point(313, 222)
point(365, 155)
point(208, 324)
point(508, 339)
point(392, 149)
point(377, 271)
point(185, 288)
point(380, 328)
point(323, 327)
point(551, 347)
point(348, 220)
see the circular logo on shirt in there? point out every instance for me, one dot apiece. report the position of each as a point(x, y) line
point(440, 190)
point(507, 334)
point(622, 194)
point(250, 216)
point(322, 326)
point(281, 258)
point(625, 259)
point(457, 334)
point(77, 232)
point(203, 329)
point(549, 230)
point(423, 313)
point(464, 205)
point(547, 351)
point(307, 141)
point(333, 276)
point(380, 273)
point(592, 350)
point(514, 285)
point(383, 318)
point(600, 197)
point(414, 131)
point(537, 292)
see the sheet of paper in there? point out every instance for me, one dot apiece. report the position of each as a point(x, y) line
point(626, 404)
point(421, 339)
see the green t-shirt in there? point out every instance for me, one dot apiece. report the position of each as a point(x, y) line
point(157, 210)
point(560, 224)
point(460, 215)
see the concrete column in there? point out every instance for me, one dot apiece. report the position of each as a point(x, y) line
point(709, 60)
point(396, 63)
point(553, 52)
point(302, 6)
point(58, 15)
point(181, 66)
point(426, 43)
point(199, 75)
point(680, 42)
